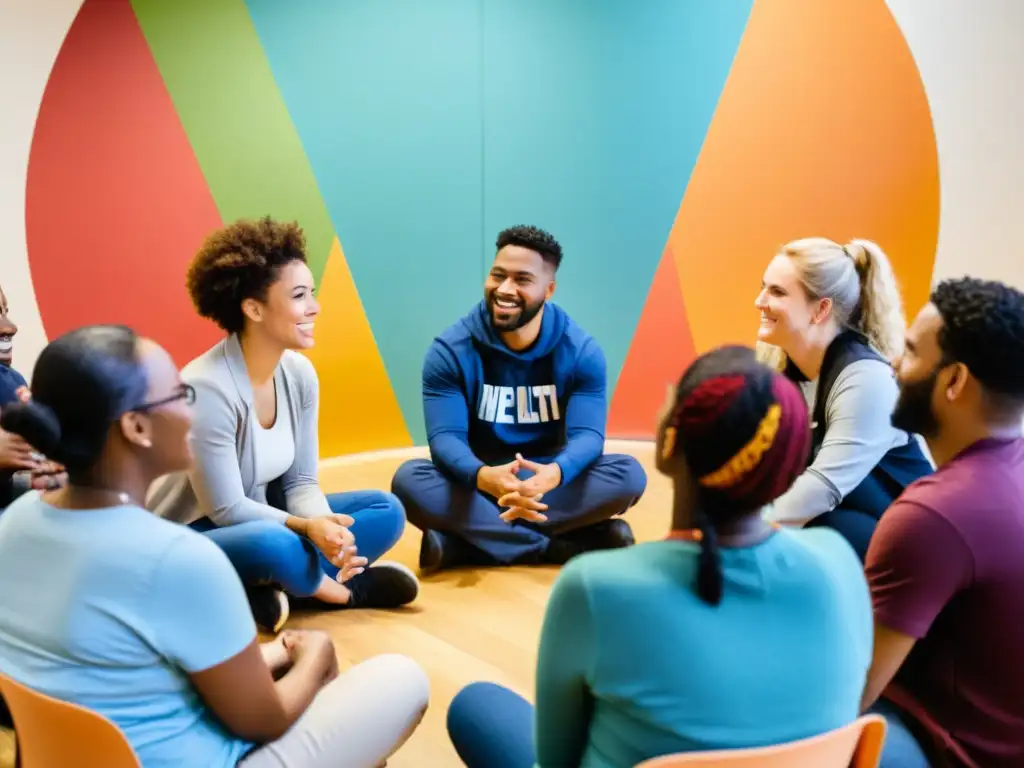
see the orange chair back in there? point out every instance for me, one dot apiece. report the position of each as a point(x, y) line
point(857, 745)
point(52, 733)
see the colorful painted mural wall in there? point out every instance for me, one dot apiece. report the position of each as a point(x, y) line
point(671, 146)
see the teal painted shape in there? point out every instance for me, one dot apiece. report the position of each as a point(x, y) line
point(594, 116)
point(386, 99)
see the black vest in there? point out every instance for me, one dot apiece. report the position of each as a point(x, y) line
point(898, 468)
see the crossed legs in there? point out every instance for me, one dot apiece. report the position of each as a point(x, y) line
point(435, 502)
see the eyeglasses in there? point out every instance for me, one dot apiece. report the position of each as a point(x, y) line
point(186, 393)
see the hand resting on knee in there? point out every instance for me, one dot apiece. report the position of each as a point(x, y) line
point(243, 694)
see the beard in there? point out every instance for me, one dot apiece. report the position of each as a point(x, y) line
point(913, 412)
point(506, 320)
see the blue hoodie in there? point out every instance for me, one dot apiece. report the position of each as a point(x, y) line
point(483, 402)
point(10, 382)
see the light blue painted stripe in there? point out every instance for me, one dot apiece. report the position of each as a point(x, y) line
point(594, 116)
point(386, 98)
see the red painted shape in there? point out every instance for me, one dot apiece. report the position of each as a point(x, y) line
point(662, 348)
point(116, 204)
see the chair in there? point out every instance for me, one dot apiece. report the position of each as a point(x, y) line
point(857, 745)
point(52, 733)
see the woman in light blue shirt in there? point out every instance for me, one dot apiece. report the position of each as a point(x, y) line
point(145, 621)
point(737, 635)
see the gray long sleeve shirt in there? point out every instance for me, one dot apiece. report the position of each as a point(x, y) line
point(224, 483)
point(858, 434)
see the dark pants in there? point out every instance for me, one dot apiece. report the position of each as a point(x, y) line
point(855, 526)
point(269, 553)
point(492, 727)
point(902, 748)
point(434, 501)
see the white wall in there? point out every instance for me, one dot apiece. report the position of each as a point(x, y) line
point(971, 58)
point(968, 51)
point(31, 33)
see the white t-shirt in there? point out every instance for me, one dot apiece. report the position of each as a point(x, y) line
point(275, 447)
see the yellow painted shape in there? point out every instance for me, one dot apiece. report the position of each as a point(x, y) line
point(358, 408)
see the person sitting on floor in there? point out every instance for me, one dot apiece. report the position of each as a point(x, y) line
point(514, 398)
point(832, 321)
point(729, 634)
point(145, 621)
point(22, 467)
point(946, 564)
point(254, 487)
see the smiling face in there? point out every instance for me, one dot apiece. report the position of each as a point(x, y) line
point(519, 284)
point(787, 312)
point(289, 309)
point(7, 333)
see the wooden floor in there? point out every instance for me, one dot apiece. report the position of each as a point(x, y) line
point(466, 625)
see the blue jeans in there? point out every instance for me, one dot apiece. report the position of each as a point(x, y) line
point(492, 727)
point(269, 553)
point(434, 501)
point(901, 749)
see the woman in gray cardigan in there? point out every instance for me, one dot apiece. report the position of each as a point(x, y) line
point(254, 488)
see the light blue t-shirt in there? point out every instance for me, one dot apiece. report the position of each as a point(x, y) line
point(111, 609)
point(634, 665)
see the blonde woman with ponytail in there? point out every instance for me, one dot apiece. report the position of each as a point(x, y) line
point(832, 320)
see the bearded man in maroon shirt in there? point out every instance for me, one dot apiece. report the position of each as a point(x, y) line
point(946, 564)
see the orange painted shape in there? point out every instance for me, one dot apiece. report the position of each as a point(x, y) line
point(358, 409)
point(662, 347)
point(822, 129)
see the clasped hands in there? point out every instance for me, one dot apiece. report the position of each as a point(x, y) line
point(521, 497)
point(332, 536)
point(284, 651)
point(17, 455)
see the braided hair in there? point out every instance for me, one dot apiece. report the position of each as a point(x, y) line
point(743, 431)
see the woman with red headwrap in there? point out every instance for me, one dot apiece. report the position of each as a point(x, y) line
point(729, 633)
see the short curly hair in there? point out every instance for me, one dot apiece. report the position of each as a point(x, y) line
point(983, 328)
point(238, 262)
point(535, 239)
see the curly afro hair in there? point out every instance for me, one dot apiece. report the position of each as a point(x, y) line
point(239, 262)
point(983, 328)
point(535, 239)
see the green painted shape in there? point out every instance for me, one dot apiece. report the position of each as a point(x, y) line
point(218, 77)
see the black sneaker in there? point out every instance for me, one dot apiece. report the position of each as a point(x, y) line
point(385, 584)
point(269, 607)
point(609, 534)
point(432, 552)
point(439, 551)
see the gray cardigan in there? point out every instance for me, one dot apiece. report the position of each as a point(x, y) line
point(860, 433)
point(222, 483)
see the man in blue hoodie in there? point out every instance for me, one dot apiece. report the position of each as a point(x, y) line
point(515, 403)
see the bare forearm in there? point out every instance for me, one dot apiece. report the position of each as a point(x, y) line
point(299, 525)
point(300, 685)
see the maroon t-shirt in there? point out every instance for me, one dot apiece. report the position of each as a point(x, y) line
point(946, 566)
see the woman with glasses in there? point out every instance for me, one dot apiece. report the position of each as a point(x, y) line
point(256, 443)
point(146, 621)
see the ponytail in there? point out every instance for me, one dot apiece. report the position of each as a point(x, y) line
point(771, 356)
point(709, 565)
point(879, 313)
